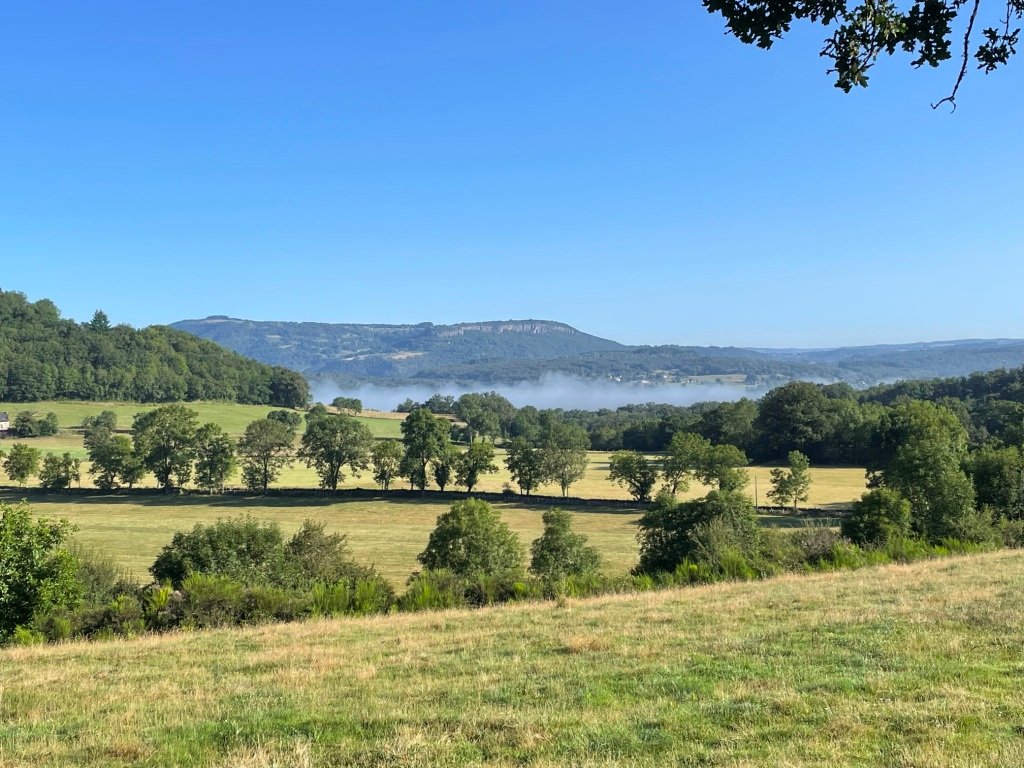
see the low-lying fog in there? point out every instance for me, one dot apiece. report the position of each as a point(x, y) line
point(554, 391)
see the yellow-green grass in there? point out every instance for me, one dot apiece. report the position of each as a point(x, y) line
point(232, 417)
point(914, 665)
point(386, 533)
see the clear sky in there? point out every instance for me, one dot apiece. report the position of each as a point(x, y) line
point(623, 167)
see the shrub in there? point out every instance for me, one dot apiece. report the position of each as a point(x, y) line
point(559, 552)
point(1012, 532)
point(212, 600)
point(671, 533)
point(815, 542)
point(432, 590)
point(242, 549)
point(471, 541)
point(371, 595)
point(879, 515)
point(262, 603)
point(780, 550)
point(330, 599)
point(162, 607)
point(315, 556)
point(37, 571)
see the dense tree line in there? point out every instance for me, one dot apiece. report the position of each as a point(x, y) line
point(45, 357)
point(831, 424)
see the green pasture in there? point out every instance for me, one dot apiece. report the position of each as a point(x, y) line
point(914, 665)
point(387, 532)
point(233, 418)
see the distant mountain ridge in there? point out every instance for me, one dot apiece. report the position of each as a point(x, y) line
point(509, 351)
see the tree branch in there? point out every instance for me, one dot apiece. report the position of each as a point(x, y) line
point(963, 64)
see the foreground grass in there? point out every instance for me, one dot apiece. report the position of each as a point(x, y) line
point(900, 665)
point(387, 533)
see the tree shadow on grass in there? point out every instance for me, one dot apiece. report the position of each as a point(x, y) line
point(242, 502)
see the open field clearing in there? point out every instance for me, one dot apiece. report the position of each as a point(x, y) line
point(914, 665)
point(387, 533)
point(233, 418)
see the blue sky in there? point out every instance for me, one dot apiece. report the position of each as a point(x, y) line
point(624, 168)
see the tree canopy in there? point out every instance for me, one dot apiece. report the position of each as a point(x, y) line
point(46, 357)
point(862, 31)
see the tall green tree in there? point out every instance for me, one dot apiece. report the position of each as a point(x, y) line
point(333, 442)
point(59, 472)
point(215, 458)
point(477, 460)
point(564, 454)
point(685, 454)
point(386, 460)
point(444, 466)
point(425, 437)
point(998, 477)
point(633, 470)
point(22, 462)
point(722, 466)
point(790, 485)
point(265, 449)
point(525, 463)
point(164, 441)
point(919, 451)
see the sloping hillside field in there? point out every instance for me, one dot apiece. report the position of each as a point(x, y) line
point(901, 665)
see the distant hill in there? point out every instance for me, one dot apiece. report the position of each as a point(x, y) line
point(511, 351)
point(395, 352)
point(46, 357)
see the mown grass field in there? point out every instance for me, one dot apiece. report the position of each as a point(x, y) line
point(834, 487)
point(914, 665)
point(386, 533)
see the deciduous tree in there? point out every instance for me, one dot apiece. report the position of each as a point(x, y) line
point(386, 460)
point(165, 443)
point(477, 460)
point(265, 449)
point(425, 437)
point(333, 442)
point(215, 458)
point(560, 552)
point(632, 470)
point(790, 485)
point(22, 462)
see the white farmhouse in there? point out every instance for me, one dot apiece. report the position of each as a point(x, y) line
point(5, 423)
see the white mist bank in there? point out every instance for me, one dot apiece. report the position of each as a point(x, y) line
point(552, 391)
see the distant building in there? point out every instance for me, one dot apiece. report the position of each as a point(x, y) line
point(5, 423)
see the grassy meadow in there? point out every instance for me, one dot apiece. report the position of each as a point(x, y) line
point(386, 533)
point(832, 487)
point(915, 665)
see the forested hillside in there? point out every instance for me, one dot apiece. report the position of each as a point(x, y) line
point(44, 357)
